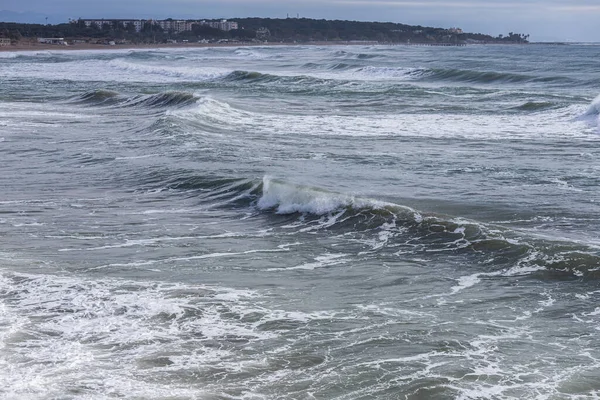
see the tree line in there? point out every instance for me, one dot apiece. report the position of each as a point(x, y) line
point(261, 29)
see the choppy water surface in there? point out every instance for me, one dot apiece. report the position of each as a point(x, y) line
point(300, 222)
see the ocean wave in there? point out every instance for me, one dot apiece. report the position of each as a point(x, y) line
point(179, 73)
point(339, 67)
point(536, 106)
point(249, 54)
point(450, 75)
point(418, 232)
point(355, 71)
point(218, 116)
point(8, 54)
point(592, 115)
point(250, 76)
point(593, 108)
point(472, 76)
point(287, 198)
point(392, 72)
point(166, 99)
point(171, 99)
point(97, 97)
point(363, 56)
point(333, 74)
point(383, 228)
point(299, 82)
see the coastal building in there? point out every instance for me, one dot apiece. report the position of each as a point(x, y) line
point(223, 25)
point(177, 26)
point(137, 23)
point(4, 42)
point(167, 25)
point(60, 41)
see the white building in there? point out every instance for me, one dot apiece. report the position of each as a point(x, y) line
point(223, 25)
point(173, 25)
point(176, 26)
point(138, 23)
point(60, 41)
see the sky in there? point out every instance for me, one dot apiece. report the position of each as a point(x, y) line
point(549, 20)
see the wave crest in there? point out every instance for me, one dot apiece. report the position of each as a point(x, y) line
point(173, 99)
point(404, 227)
point(98, 96)
point(287, 198)
point(592, 115)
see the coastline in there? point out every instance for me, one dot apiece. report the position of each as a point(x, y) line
point(23, 47)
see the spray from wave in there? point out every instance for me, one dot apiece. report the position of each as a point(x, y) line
point(592, 114)
point(287, 198)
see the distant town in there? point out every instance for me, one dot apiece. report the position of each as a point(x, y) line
point(167, 25)
point(240, 30)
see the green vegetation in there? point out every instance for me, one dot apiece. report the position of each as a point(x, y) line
point(260, 29)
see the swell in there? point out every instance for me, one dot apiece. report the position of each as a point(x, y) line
point(411, 232)
point(253, 77)
point(488, 77)
point(537, 106)
point(212, 191)
point(385, 229)
point(97, 97)
point(317, 74)
point(102, 97)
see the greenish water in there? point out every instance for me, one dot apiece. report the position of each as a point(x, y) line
point(300, 222)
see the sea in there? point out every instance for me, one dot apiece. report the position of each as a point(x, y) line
point(300, 222)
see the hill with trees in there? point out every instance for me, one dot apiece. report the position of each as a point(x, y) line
point(288, 30)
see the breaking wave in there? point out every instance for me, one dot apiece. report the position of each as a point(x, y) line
point(175, 72)
point(287, 198)
point(592, 115)
point(350, 71)
point(407, 228)
point(593, 108)
point(394, 229)
point(299, 82)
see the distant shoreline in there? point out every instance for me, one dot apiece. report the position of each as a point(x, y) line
point(87, 46)
point(28, 46)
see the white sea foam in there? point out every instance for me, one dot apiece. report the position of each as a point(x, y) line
point(246, 53)
point(397, 73)
point(217, 115)
point(322, 261)
point(592, 115)
point(594, 108)
point(199, 73)
point(288, 198)
point(55, 330)
point(465, 282)
point(366, 74)
point(116, 70)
